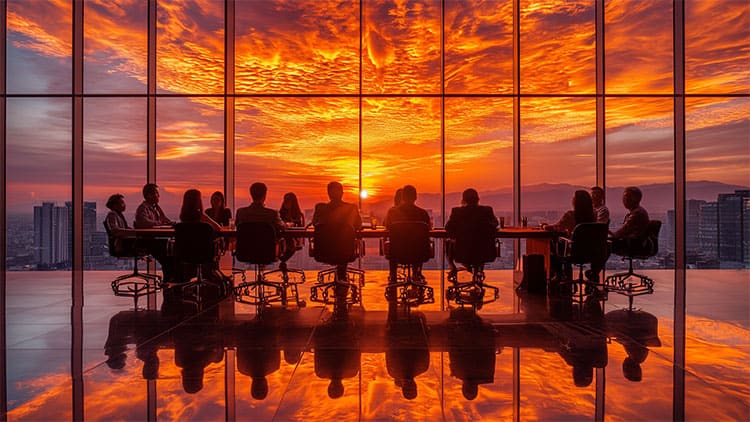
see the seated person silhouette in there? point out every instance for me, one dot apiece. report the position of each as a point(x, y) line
point(258, 354)
point(407, 211)
point(257, 212)
point(471, 351)
point(635, 224)
point(407, 354)
point(636, 331)
point(292, 216)
point(218, 211)
point(134, 327)
point(601, 212)
point(197, 344)
point(337, 354)
point(467, 218)
point(149, 214)
point(582, 212)
point(124, 236)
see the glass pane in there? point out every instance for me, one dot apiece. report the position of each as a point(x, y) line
point(558, 155)
point(558, 53)
point(717, 59)
point(297, 47)
point(189, 149)
point(39, 47)
point(401, 47)
point(190, 46)
point(115, 46)
point(39, 245)
point(640, 152)
point(479, 155)
point(479, 46)
point(638, 36)
point(114, 162)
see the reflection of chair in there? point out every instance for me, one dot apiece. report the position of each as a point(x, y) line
point(410, 247)
point(194, 245)
point(337, 244)
point(472, 248)
point(258, 244)
point(135, 284)
point(630, 283)
point(587, 245)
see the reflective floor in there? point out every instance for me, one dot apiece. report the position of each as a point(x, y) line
point(522, 358)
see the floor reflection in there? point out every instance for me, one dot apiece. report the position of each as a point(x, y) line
point(528, 356)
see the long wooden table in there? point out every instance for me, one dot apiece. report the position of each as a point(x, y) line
point(537, 240)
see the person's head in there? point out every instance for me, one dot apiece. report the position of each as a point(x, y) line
point(470, 197)
point(192, 206)
point(151, 193)
point(597, 196)
point(291, 204)
point(631, 197)
point(631, 370)
point(398, 197)
point(409, 195)
point(116, 202)
point(583, 207)
point(335, 191)
point(469, 390)
point(192, 379)
point(259, 388)
point(258, 192)
point(583, 375)
point(409, 389)
point(217, 200)
point(335, 388)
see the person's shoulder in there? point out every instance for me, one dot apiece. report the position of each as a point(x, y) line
point(141, 206)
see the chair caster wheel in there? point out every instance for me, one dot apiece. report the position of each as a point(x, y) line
point(301, 303)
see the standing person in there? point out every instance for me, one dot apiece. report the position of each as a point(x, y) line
point(407, 211)
point(257, 212)
point(218, 211)
point(635, 225)
point(149, 214)
point(292, 216)
point(601, 212)
point(469, 216)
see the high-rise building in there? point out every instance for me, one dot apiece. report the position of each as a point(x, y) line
point(52, 235)
point(732, 211)
point(708, 231)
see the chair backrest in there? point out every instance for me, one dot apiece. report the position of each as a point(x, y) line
point(121, 248)
point(335, 244)
point(650, 245)
point(194, 243)
point(474, 244)
point(410, 242)
point(589, 243)
point(256, 243)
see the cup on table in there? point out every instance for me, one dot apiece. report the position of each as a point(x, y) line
point(502, 222)
point(524, 221)
point(373, 222)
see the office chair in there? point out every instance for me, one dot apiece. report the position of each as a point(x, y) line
point(587, 245)
point(194, 245)
point(410, 246)
point(258, 244)
point(337, 245)
point(630, 283)
point(472, 248)
point(135, 284)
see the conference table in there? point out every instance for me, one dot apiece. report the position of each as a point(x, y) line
point(537, 239)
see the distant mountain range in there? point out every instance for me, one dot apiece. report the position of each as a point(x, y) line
point(657, 198)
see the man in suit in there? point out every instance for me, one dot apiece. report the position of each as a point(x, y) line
point(469, 217)
point(257, 212)
point(407, 211)
point(336, 211)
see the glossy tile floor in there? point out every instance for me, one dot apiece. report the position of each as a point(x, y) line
point(525, 359)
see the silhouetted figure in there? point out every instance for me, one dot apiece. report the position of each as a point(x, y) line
point(636, 331)
point(407, 211)
point(468, 218)
point(583, 346)
point(407, 354)
point(471, 351)
point(149, 214)
point(218, 211)
point(337, 353)
point(601, 212)
point(635, 225)
point(140, 328)
point(257, 212)
point(292, 216)
point(397, 200)
point(123, 235)
point(258, 354)
point(197, 344)
point(582, 212)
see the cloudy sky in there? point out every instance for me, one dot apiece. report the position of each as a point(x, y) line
point(313, 47)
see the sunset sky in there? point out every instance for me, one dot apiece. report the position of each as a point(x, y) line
point(313, 47)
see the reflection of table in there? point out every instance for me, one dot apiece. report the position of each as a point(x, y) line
point(537, 240)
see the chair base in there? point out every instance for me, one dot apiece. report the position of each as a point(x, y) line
point(475, 293)
point(580, 289)
point(259, 292)
point(629, 284)
point(410, 290)
point(288, 279)
point(136, 284)
point(329, 287)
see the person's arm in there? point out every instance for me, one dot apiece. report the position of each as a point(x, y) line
point(492, 217)
point(144, 218)
point(206, 219)
point(116, 229)
point(357, 218)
